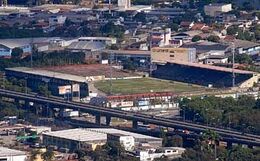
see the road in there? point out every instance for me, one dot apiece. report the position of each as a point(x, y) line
point(237, 137)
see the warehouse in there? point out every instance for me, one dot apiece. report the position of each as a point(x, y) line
point(90, 138)
point(12, 155)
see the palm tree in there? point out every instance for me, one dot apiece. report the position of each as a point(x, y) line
point(211, 137)
point(48, 155)
point(34, 154)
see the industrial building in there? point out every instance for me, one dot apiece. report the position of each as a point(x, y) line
point(7, 154)
point(90, 138)
point(59, 84)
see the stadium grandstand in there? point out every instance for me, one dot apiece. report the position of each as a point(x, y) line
point(204, 74)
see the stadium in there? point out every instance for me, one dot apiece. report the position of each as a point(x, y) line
point(205, 75)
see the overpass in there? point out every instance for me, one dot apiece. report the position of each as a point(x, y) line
point(226, 134)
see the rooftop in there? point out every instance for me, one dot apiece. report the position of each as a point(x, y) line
point(85, 45)
point(211, 67)
point(49, 74)
point(129, 52)
point(218, 4)
point(90, 70)
point(205, 46)
point(12, 43)
point(94, 134)
point(245, 44)
point(4, 152)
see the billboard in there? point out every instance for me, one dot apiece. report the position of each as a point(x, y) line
point(64, 89)
point(75, 87)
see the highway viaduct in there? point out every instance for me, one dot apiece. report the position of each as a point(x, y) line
point(227, 135)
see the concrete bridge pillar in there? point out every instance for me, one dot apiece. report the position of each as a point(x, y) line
point(108, 120)
point(135, 124)
point(98, 119)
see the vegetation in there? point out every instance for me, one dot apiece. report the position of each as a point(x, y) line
point(213, 38)
point(15, 32)
point(241, 34)
point(227, 112)
point(43, 59)
point(143, 85)
point(108, 152)
point(196, 38)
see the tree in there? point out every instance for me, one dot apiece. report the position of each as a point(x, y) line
point(196, 38)
point(213, 38)
point(43, 90)
point(17, 53)
point(242, 59)
point(175, 141)
point(174, 26)
point(140, 17)
point(34, 154)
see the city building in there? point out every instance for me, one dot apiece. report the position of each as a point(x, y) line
point(57, 20)
point(216, 59)
point(106, 40)
point(90, 138)
point(138, 102)
point(216, 9)
point(41, 43)
point(127, 142)
point(149, 154)
point(7, 154)
point(124, 4)
point(168, 54)
point(160, 37)
point(246, 47)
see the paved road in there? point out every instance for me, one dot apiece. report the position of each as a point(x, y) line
point(96, 110)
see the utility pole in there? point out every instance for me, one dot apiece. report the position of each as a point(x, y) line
point(109, 5)
point(233, 66)
point(110, 80)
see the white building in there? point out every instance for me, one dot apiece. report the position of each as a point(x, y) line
point(151, 154)
point(216, 9)
point(106, 40)
point(160, 38)
point(216, 59)
point(90, 138)
point(57, 20)
point(124, 4)
point(126, 141)
point(12, 155)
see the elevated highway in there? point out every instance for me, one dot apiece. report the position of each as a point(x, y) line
point(226, 134)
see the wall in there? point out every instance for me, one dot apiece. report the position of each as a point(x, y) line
point(163, 55)
point(14, 158)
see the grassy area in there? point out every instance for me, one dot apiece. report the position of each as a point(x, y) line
point(144, 85)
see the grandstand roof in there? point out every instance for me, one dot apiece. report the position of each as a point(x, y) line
point(211, 67)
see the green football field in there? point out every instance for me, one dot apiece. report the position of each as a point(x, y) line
point(143, 85)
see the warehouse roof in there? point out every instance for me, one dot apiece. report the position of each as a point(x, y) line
point(211, 67)
point(49, 74)
point(86, 45)
point(94, 134)
point(4, 152)
point(19, 42)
